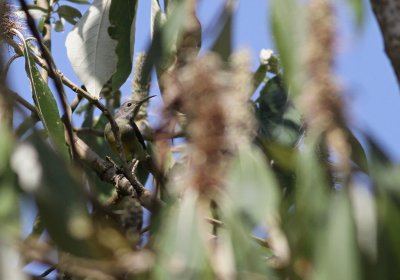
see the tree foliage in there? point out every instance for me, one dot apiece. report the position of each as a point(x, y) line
point(251, 175)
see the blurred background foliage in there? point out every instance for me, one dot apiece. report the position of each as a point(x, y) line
point(258, 174)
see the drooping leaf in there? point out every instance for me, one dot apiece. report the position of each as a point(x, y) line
point(123, 18)
point(46, 105)
point(69, 13)
point(90, 48)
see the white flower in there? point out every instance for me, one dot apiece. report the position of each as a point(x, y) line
point(265, 56)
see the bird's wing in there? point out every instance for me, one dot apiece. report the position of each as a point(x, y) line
point(139, 135)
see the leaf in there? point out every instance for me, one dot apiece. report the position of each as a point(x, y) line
point(60, 200)
point(90, 48)
point(181, 240)
point(223, 44)
point(41, 23)
point(288, 27)
point(69, 13)
point(122, 18)
point(9, 205)
point(337, 252)
point(252, 187)
point(58, 26)
point(46, 105)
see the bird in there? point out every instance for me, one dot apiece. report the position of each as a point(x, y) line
point(132, 140)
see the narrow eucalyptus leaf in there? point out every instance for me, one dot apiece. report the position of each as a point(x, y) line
point(46, 105)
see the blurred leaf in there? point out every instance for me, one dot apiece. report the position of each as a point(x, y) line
point(60, 200)
point(358, 9)
point(337, 256)
point(164, 41)
point(9, 205)
point(279, 121)
point(252, 187)
point(252, 199)
point(46, 105)
point(222, 45)
point(69, 13)
point(90, 48)
point(182, 252)
point(41, 23)
point(58, 26)
point(358, 154)
point(122, 18)
point(288, 28)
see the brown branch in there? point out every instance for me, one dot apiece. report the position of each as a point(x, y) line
point(387, 13)
point(108, 172)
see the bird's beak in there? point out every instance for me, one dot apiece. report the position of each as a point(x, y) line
point(145, 99)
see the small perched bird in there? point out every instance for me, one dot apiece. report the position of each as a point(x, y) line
point(131, 138)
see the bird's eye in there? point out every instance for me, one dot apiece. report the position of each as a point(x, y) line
point(129, 104)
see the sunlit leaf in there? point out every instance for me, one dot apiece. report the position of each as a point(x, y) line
point(90, 48)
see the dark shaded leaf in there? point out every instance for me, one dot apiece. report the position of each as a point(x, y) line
point(122, 19)
point(69, 13)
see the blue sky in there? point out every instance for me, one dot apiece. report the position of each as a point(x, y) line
point(363, 69)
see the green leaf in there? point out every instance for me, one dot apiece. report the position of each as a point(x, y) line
point(46, 105)
point(181, 241)
point(90, 48)
point(122, 18)
point(252, 186)
point(9, 206)
point(222, 45)
point(337, 252)
point(288, 28)
point(59, 197)
point(41, 23)
point(58, 26)
point(69, 13)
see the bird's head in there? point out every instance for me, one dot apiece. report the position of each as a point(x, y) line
point(130, 108)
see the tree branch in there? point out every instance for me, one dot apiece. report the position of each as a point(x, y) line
point(387, 13)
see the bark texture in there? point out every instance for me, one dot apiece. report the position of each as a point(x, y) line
point(387, 13)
